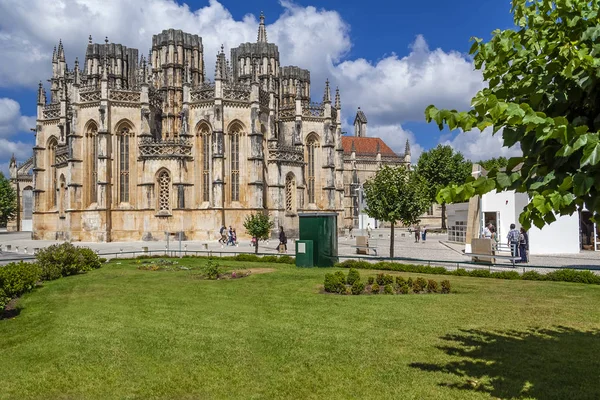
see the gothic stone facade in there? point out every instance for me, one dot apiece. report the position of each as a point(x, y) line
point(128, 148)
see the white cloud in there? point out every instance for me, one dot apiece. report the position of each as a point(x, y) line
point(395, 137)
point(11, 120)
point(476, 145)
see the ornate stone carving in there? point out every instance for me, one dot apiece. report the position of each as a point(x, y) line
point(206, 91)
point(85, 97)
point(264, 98)
point(127, 96)
point(51, 111)
point(164, 149)
point(236, 91)
point(313, 110)
point(287, 112)
point(287, 154)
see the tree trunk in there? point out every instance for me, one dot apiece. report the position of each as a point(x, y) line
point(392, 241)
point(443, 215)
point(256, 246)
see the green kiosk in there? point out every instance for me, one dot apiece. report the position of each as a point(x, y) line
point(318, 243)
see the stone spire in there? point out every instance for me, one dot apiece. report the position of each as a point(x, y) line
point(90, 39)
point(327, 94)
point(221, 65)
point(61, 51)
point(407, 148)
point(41, 97)
point(338, 103)
point(13, 161)
point(262, 32)
point(54, 56)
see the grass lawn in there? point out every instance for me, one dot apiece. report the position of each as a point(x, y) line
point(119, 332)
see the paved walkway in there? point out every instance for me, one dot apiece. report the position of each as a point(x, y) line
point(435, 248)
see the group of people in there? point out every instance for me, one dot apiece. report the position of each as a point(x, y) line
point(517, 240)
point(228, 236)
point(420, 233)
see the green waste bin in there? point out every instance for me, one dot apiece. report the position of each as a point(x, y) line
point(304, 253)
point(321, 229)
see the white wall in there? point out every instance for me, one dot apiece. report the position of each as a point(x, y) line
point(509, 204)
point(560, 237)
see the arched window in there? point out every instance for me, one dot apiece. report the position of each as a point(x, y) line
point(27, 202)
point(164, 191)
point(62, 194)
point(91, 137)
point(234, 149)
point(205, 136)
point(290, 193)
point(52, 192)
point(311, 145)
point(124, 138)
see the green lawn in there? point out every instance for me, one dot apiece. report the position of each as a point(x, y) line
point(119, 332)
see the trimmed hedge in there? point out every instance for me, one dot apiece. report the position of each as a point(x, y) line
point(18, 278)
point(247, 257)
point(561, 275)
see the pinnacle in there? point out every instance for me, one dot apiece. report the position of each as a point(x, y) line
point(262, 31)
point(90, 40)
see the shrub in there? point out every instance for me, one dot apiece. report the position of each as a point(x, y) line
point(400, 280)
point(513, 275)
point(341, 276)
point(353, 276)
point(403, 288)
point(380, 279)
point(348, 291)
point(409, 282)
point(333, 284)
point(370, 280)
point(18, 278)
point(286, 260)
point(419, 285)
point(432, 286)
point(65, 259)
point(212, 270)
point(461, 272)
point(388, 289)
point(358, 287)
point(375, 288)
point(480, 273)
point(532, 276)
point(388, 280)
point(445, 286)
point(4, 299)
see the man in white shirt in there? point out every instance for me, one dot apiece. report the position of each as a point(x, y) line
point(487, 232)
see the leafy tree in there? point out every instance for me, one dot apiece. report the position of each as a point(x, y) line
point(396, 194)
point(488, 165)
point(542, 93)
point(258, 226)
point(8, 201)
point(440, 167)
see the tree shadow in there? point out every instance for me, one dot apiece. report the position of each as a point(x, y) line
point(556, 363)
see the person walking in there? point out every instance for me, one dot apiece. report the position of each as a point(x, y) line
point(513, 240)
point(223, 234)
point(234, 237)
point(523, 245)
point(487, 231)
point(282, 240)
point(424, 234)
point(417, 233)
point(369, 229)
point(229, 236)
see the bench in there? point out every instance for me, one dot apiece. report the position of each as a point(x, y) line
point(366, 248)
point(512, 259)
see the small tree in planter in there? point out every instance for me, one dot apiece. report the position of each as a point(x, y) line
point(258, 226)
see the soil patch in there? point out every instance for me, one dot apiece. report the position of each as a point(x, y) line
point(261, 270)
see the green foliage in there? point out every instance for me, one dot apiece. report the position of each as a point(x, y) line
point(18, 278)
point(370, 280)
point(64, 260)
point(341, 276)
point(498, 163)
point(419, 285)
point(358, 287)
point(533, 276)
point(334, 284)
point(8, 201)
point(432, 286)
point(388, 289)
point(396, 194)
point(379, 279)
point(403, 288)
point(400, 280)
point(375, 288)
point(542, 84)
point(4, 299)
point(353, 276)
point(409, 283)
point(259, 226)
point(512, 275)
point(211, 270)
point(440, 167)
point(446, 286)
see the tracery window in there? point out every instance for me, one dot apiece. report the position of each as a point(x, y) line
point(290, 193)
point(53, 193)
point(311, 147)
point(235, 164)
point(124, 165)
point(92, 162)
point(205, 165)
point(164, 191)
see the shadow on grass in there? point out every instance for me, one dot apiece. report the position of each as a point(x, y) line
point(557, 363)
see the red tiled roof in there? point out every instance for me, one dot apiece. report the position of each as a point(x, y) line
point(366, 146)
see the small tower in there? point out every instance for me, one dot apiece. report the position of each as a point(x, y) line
point(327, 93)
point(360, 124)
point(262, 31)
point(338, 103)
point(407, 153)
point(12, 167)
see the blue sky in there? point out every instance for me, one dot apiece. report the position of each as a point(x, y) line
point(390, 58)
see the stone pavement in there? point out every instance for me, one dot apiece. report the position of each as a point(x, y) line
point(435, 249)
